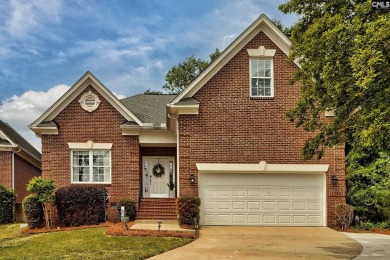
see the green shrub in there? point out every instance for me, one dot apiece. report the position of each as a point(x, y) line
point(368, 189)
point(367, 225)
point(81, 205)
point(7, 205)
point(130, 208)
point(188, 209)
point(32, 207)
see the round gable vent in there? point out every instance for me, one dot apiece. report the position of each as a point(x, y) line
point(89, 101)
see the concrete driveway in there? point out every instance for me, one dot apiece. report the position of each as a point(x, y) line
point(226, 242)
point(375, 246)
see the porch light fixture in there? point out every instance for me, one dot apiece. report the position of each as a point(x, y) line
point(192, 178)
point(159, 225)
point(335, 180)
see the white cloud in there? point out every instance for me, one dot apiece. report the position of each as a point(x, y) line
point(20, 111)
point(229, 37)
point(27, 15)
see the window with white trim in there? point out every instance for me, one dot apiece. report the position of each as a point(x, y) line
point(261, 72)
point(91, 166)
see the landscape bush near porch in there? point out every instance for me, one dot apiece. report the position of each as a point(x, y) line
point(188, 209)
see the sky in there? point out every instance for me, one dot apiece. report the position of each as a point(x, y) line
point(129, 45)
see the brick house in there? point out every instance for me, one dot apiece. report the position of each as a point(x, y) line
point(225, 138)
point(19, 162)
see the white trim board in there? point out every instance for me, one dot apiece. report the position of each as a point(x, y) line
point(262, 167)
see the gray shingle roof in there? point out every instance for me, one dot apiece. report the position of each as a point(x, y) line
point(149, 108)
point(188, 101)
point(19, 140)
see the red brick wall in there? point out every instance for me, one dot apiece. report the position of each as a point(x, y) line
point(6, 168)
point(233, 128)
point(24, 172)
point(101, 126)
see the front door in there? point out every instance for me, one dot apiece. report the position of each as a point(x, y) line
point(158, 177)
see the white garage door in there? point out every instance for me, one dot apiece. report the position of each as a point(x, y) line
point(262, 199)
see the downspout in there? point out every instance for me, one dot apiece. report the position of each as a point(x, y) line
point(177, 154)
point(14, 151)
point(13, 170)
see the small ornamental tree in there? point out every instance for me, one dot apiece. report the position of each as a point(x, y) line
point(43, 189)
point(7, 204)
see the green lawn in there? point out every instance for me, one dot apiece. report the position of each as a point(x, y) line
point(91, 243)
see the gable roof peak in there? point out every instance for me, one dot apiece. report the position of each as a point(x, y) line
point(87, 79)
point(262, 24)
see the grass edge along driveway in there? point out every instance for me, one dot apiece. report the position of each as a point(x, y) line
point(90, 243)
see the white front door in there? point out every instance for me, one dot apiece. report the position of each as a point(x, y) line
point(158, 176)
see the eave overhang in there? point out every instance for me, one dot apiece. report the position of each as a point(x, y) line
point(183, 109)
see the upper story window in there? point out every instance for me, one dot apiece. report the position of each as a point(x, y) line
point(261, 78)
point(261, 72)
point(89, 101)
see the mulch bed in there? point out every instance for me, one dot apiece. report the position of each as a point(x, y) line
point(117, 229)
point(120, 230)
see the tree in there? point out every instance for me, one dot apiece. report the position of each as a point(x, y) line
point(43, 189)
point(284, 29)
point(153, 92)
point(182, 74)
point(343, 49)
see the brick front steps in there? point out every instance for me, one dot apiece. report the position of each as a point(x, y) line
point(158, 208)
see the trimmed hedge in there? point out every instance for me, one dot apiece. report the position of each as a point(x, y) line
point(33, 209)
point(130, 208)
point(188, 209)
point(81, 205)
point(7, 205)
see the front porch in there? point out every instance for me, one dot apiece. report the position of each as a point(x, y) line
point(158, 178)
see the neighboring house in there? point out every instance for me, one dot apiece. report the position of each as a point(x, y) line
point(225, 138)
point(19, 162)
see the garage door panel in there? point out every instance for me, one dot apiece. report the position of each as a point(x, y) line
point(254, 192)
point(284, 205)
point(269, 192)
point(254, 205)
point(240, 205)
point(284, 193)
point(239, 219)
point(239, 192)
point(254, 219)
point(271, 200)
point(299, 205)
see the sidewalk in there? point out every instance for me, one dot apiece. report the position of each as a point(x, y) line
point(375, 246)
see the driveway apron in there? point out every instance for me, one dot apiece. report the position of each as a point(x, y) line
point(237, 242)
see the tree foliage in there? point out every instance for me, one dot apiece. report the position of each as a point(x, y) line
point(284, 29)
point(43, 189)
point(182, 74)
point(369, 188)
point(343, 48)
point(152, 92)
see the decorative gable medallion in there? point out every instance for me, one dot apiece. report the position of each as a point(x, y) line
point(261, 52)
point(89, 101)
